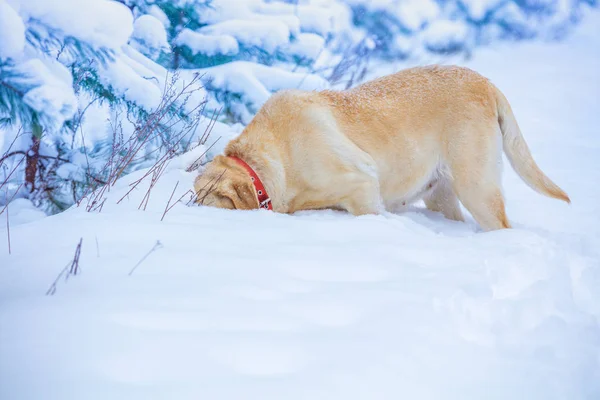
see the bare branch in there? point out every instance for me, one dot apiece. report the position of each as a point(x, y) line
point(196, 163)
point(72, 268)
point(8, 229)
point(157, 246)
point(169, 202)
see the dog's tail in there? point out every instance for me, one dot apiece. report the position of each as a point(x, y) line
point(518, 153)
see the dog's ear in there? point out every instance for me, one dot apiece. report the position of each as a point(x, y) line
point(243, 194)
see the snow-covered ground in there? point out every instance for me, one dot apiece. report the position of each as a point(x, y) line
point(322, 305)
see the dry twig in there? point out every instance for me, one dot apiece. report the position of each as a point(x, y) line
point(72, 268)
point(157, 246)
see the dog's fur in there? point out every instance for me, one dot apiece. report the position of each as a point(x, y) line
point(433, 132)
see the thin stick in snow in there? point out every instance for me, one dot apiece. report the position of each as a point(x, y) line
point(11, 199)
point(75, 264)
point(193, 197)
point(196, 164)
point(8, 230)
point(11, 172)
point(169, 202)
point(72, 268)
point(97, 248)
point(52, 289)
point(157, 246)
point(178, 200)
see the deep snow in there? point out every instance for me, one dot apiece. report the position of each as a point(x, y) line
point(322, 305)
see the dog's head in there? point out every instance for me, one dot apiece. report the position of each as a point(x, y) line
point(225, 184)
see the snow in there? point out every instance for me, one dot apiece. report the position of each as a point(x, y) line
point(306, 46)
point(12, 32)
point(254, 83)
point(267, 35)
point(413, 14)
point(255, 32)
point(478, 10)
point(250, 12)
point(403, 45)
point(445, 35)
point(102, 23)
point(514, 17)
point(269, 26)
point(260, 80)
point(22, 211)
point(50, 92)
point(142, 81)
point(314, 18)
point(156, 12)
point(258, 305)
point(210, 45)
point(150, 32)
point(122, 75)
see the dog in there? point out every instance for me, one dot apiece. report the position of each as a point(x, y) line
point(434, 133)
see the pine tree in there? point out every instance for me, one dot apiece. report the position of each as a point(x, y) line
point(239, 47)
point(51, 73)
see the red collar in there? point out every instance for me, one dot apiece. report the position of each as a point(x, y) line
point(263, 198)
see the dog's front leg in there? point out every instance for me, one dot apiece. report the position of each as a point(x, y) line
point(363, 197)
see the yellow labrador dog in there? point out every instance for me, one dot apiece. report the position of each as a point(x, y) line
point(434, 133)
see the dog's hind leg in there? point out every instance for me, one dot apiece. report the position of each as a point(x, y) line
point(443, 199)
point(476, 176)
point(485, 203)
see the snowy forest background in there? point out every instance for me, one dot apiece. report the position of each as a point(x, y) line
point(91, 90)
